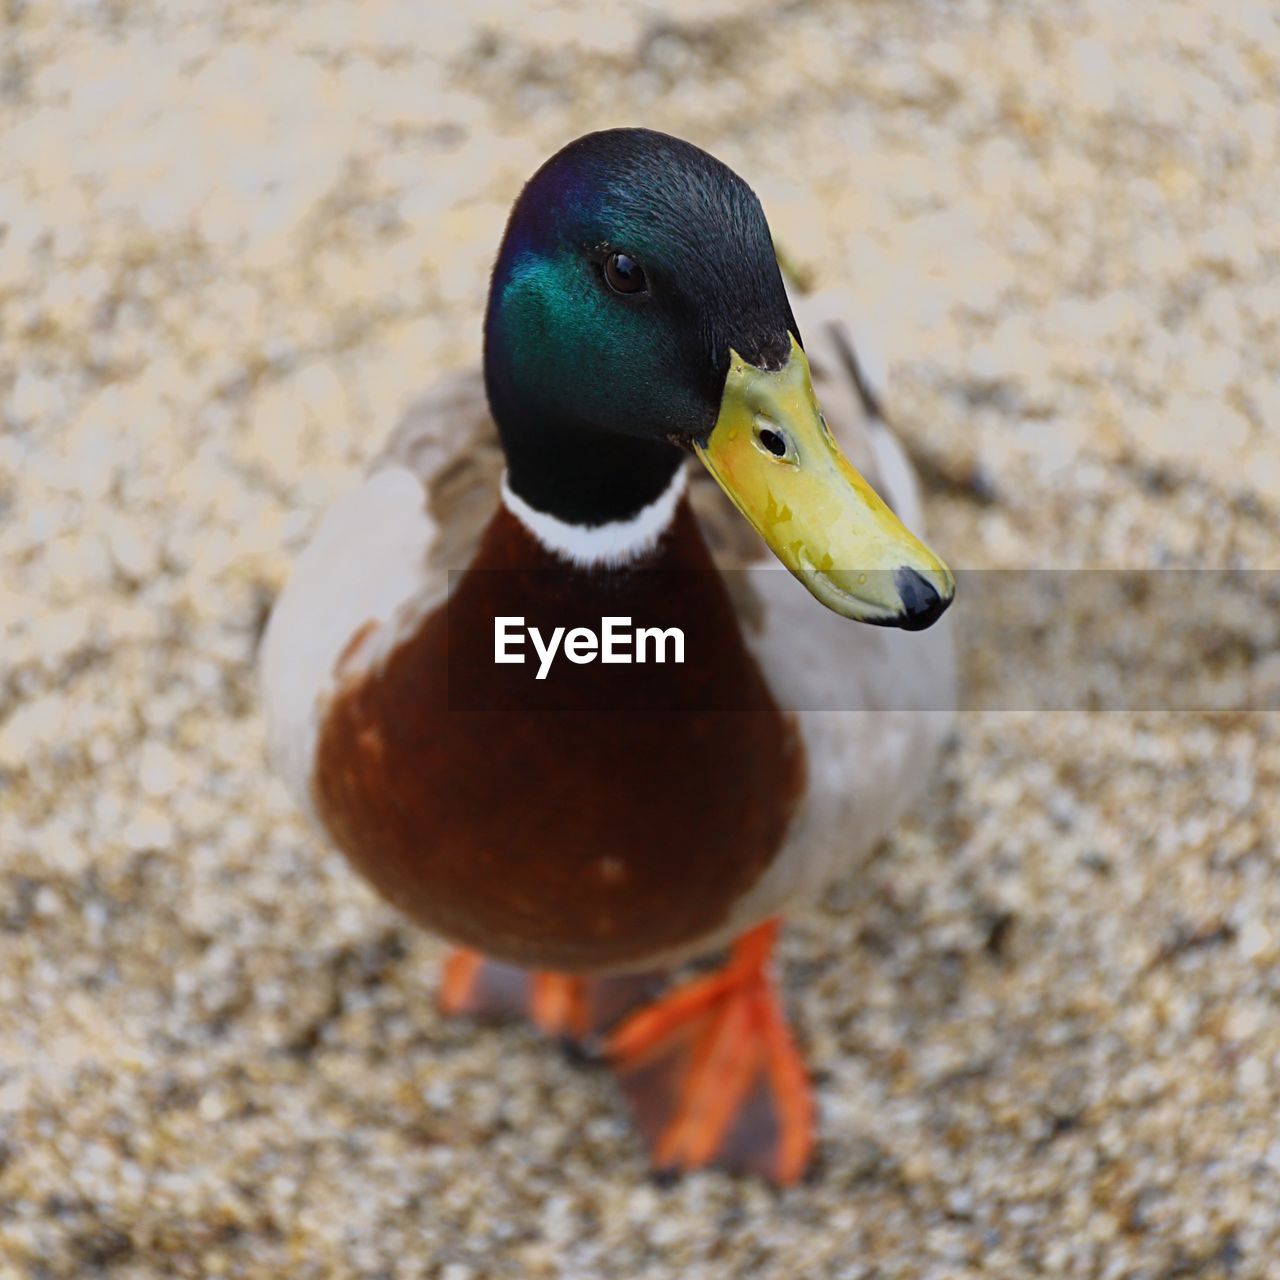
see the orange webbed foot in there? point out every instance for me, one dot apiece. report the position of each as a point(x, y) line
point(713, 1075)
point(566, 1005)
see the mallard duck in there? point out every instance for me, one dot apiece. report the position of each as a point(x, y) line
point(575, 837)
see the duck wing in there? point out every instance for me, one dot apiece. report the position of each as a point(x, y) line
point(447, 439)
point(377, 563)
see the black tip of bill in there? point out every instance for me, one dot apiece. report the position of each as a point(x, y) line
point(922, 603)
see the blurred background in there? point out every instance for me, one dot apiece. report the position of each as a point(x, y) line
point(236, 240)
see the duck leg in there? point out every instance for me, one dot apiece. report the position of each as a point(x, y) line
point(713, 1075)
point(566, 1005)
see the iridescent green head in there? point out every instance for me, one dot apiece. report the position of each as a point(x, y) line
point(637, 313)
point(632, 264)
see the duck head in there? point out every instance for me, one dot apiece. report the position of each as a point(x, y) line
point(636, 314)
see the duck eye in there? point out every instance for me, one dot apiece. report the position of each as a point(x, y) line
point(623, 273)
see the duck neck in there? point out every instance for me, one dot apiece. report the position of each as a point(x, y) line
point(608, 543)
point(590, 496)
point(583, 476)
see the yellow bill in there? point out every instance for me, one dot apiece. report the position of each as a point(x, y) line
point(773, 454)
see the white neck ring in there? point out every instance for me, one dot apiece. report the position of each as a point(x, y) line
point(603, 545)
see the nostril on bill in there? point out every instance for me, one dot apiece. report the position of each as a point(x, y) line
point(922, 604)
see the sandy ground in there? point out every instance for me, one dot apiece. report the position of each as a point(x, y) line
point(234, 243)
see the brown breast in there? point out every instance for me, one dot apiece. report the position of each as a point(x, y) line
point(590, 820)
